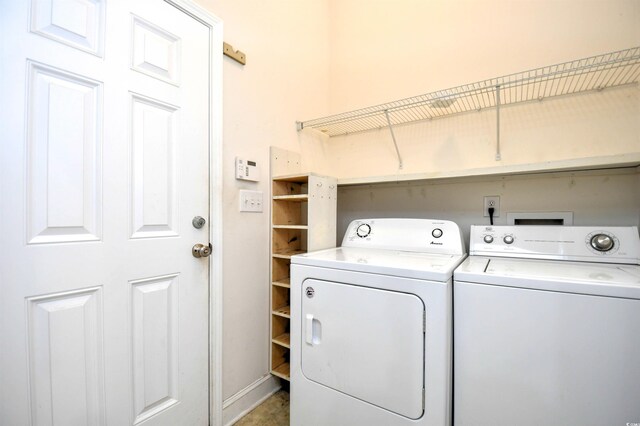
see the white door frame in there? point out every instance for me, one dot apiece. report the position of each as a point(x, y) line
point(215, 201)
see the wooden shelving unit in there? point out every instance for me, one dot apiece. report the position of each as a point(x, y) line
point(303, 218)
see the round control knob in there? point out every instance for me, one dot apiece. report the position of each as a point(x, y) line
point(602, 242)
point(508, 239)
point(363, 230)
point(437, 233)
point(488, 239)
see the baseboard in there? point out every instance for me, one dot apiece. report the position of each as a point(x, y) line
point(239, 404)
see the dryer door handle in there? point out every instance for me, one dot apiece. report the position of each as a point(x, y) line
point(313, 330)
point(308, 336)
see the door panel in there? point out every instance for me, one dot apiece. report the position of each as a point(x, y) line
point(66, 362)
point(155, 346)
point(153, 168)
point(64, 115)
point(365, 342)
point(156, 52)
point(79, 24)
point(104, 162)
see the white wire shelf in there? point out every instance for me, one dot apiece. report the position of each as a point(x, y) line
point(582, 75)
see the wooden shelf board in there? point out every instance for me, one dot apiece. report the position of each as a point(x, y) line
point(296, 178)
point(286, 254)
point(297, 198)
point(303, 227)
point(281, 371)
point(284, 282)
point(282, 340)
point(545, 167)
point(283, 311)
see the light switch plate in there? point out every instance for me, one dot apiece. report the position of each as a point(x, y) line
point(250, 201)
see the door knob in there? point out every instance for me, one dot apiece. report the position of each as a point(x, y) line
point(201, 250)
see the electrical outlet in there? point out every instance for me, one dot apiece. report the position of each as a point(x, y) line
point(492, 201)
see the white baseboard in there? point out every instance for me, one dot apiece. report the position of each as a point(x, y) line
point(238, 405)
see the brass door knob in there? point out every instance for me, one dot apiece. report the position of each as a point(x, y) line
point(201, 250)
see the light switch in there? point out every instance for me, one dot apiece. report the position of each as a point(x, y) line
point(250, 201)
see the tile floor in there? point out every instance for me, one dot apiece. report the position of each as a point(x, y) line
point(272, 412)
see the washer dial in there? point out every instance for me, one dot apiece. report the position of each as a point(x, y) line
point(488, 239)
point(363, 230)
point(436, 233)
point(602, 242)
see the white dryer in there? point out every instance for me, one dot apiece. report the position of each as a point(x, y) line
point(371, 326)
point(547, 327)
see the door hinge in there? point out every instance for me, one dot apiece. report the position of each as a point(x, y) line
point(424, 322)
point(423, 396)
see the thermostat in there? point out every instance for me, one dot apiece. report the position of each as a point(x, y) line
point(247, 170)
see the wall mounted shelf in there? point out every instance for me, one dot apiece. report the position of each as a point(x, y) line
point(620, 161)
point(582, 75)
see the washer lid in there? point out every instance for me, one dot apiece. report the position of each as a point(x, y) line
point(570, 277)
point(425, 266)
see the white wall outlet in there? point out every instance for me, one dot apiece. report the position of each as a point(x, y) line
point(250, 201)
point(491, 201)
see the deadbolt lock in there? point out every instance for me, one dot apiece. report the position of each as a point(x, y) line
point(201, 250)
point(198, 222)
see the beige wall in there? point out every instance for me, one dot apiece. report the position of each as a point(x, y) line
point(383, 50)
point(285, 78)
point(607, 197)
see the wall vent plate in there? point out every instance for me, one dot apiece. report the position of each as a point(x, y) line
point(540, 218)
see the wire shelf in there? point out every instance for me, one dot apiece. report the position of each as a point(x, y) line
point(582, 75)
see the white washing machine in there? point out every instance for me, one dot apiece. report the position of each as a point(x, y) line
point(547, 327)
point(371, 326)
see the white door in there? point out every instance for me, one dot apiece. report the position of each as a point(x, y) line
point(104, 164)
point(365, 342)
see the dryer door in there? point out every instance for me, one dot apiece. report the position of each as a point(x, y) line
point(367, 343)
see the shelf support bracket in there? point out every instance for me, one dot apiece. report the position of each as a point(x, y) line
point(393, 136)
point(498, 158)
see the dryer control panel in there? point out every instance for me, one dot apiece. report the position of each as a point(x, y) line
point(611, 244)
point(416, 235)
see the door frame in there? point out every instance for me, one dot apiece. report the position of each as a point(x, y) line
point(215, 26)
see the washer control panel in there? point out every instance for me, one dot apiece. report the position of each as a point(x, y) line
point(418, 235)
point(363, 230)
point(615, 244)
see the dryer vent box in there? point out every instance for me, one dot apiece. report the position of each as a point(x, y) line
point(540, 218)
